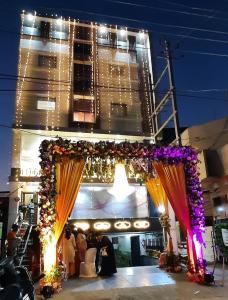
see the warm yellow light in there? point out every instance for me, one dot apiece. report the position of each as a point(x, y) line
point(121, 188)
point(82, 225)
point(102, 225)
point(141, 224)
point(49, 252)
point(122, 225)
point(161, 209)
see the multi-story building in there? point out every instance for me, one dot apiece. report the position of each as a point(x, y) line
point(78, 80)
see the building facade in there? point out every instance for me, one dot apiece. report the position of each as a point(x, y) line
point(210, 140)
point(76, 80)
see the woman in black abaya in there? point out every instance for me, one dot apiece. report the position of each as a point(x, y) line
point(108, 261)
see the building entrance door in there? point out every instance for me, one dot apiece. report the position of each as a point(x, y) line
point(135, 250)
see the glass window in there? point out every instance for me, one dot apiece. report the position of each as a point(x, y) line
point(118, 109)
point(82, 51)
point(132, 42)
point(83, 111)
point(83, 105)
point(83, 33)
point(82, 78)
point(47, 61)
point(83, 117)
point(44, 29)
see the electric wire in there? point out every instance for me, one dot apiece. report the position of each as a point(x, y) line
point(195, 139)
point(166, 9)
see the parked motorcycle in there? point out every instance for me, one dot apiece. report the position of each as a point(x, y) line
point(15, 281)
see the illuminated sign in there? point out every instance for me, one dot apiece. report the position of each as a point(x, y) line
point(102, 225)
point(141, 224)
point(122, 225)
point(82, 225)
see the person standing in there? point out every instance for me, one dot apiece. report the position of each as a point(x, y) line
point(68, 250)
point(31, 211)
point(108, 261)
point(13, 241)
point(81, 244)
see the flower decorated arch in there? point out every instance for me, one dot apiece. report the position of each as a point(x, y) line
point(167, 161)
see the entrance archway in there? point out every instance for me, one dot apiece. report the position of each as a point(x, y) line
point(62, 164)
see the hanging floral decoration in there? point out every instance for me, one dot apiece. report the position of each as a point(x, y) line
point(102, 156)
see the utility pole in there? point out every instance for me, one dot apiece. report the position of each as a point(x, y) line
point(167, 104)
point(172, 89)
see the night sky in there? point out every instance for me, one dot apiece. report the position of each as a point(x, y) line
point(199, 47)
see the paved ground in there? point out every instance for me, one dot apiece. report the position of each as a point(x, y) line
point(142, 283)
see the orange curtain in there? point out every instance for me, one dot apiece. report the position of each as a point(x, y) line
point(173, 180)
point(157, 193)
point(69, 176)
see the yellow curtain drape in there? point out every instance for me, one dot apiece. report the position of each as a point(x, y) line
point(69, 176)
point(173, 180)
point(157, 193)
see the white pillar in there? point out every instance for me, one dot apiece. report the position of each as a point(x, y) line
point(173, 229)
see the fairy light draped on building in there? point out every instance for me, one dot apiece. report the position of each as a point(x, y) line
point(49, 78)
point(71, 38)
point(92, 61)
point(23, 72)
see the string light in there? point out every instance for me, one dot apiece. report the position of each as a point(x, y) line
point(102, 63)
point(60, 67)
point(102, 29)
point(147, 86)
point(91, 57)
point(59, 21)
point(144, 54)
point(119, 76)
point(122, 32)
point(54, 54)
point(19, 105)
point(97, 72)
point(71, 39)
point(49, 78)
point(108, 95)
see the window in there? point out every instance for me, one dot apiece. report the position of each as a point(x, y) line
point(116, 70)
point(118, 109)
point(46, 104)
point(82, 78)
point(83, 105)
point(113, 39)
point(83, 117)
point(44, 29)
point(47, 61)
point(132, 42)
point(83, 33)
point(82, 51)
point(221, 200)
point(83, 111)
